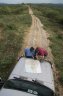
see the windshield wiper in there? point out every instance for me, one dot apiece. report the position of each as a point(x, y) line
point(32, 80)
point(20, 78)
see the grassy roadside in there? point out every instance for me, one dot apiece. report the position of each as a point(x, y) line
point(14, 21)
point(52, 18)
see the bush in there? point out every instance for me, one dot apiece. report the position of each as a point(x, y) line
point(61, 78)
point(11, 27)
point(60, 21)
point(60, 36)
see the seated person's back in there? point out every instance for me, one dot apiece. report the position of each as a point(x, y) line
point(40, 52)
point(29, 52)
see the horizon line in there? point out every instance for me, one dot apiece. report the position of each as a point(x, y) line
point(29, 3)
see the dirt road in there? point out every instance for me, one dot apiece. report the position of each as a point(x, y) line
point(37, 36)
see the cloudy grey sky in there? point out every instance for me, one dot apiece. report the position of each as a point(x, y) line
point(31, 1)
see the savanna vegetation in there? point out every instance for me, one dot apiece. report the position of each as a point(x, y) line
point(52, 17)
point(14, 21)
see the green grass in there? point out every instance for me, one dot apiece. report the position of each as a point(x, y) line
point(13, 9)
point(13, 25)
point(52, 18)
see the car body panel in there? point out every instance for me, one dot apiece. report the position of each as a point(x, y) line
point(11, 92)
point(31, 69)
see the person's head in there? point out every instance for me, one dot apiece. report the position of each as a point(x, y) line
point(31, 49)
point(36, 50)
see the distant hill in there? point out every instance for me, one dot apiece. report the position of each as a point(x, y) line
point(47, 4)
point(59, 5)
point(3, 4)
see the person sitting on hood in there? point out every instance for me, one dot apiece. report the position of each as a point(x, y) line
point(29, 52)
point(40, 52)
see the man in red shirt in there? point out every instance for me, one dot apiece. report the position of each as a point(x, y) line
point(40, 52)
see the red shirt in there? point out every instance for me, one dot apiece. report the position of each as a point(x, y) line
point(42, 52)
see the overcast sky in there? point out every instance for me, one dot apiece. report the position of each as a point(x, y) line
point(31, 1)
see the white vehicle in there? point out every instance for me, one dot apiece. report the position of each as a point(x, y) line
point(30, 78)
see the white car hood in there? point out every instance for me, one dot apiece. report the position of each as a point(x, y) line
point(33, 69)
point(11, 92)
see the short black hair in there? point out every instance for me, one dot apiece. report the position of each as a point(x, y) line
point(31, 48)
point(36, 50)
